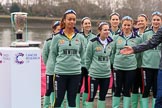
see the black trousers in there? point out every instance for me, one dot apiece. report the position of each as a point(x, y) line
point(123, 81)
point(150, 80)
point(93, 84)
point(68, 84)
point(84, 76)
point(138, 82)
point(49, 85)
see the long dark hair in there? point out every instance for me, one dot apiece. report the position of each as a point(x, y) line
point(69, 11)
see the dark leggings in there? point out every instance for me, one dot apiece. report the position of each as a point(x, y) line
point(123, 81)
point(138, 82)
point(150, 80)
point(49, 85)
point(68, 84)
point(112, 72)
point(84, 76)
point(93, 84)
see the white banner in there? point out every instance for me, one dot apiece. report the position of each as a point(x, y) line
point(20, 78)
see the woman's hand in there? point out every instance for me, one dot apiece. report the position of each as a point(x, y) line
point(127, 50)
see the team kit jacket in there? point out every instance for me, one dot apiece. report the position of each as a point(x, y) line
point(125, 62)
point(148, 58)
point(98, 58)
point(45, 54)
point(66, 56)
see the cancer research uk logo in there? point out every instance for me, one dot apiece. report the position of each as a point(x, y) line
point(0, 57)
point(22, 58)
point(19, 58)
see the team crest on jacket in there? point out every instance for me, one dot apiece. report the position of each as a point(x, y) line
point(119, 41)
point(98, 49)
point(61, 41)
point(77, 41)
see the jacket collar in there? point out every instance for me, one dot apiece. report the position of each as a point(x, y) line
point(134, 34)
point(109, 39)
point(75, 30)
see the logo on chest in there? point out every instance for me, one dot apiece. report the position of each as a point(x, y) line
point(120, 41)
point(76, 41)
point(62, 42)
point(98, 49)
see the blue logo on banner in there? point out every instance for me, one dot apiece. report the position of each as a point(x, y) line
point(19, 59)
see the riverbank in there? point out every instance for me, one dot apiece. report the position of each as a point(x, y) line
point(37, 22)
point(33, 22)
